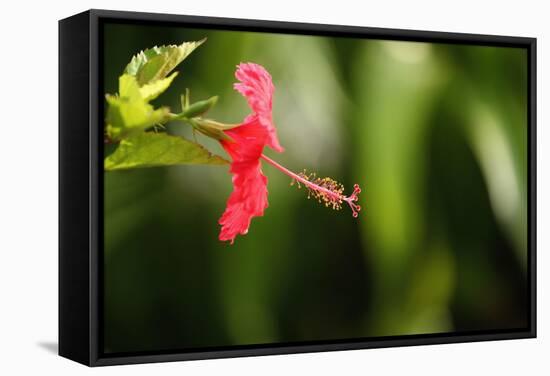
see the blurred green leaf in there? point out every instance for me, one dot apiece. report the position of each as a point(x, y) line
point(159, 149)
point(155, 63)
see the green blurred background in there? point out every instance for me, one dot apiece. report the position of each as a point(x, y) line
point(435, 134)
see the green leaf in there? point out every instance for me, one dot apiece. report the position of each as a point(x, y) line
point(159, 149)
point(127, 114)
point(129, 88)
point(150, 72)
point(152, 90)
point(157, 62)
point(130, 112)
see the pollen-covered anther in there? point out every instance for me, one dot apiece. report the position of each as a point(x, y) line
point(328, 191)
point(325, 190)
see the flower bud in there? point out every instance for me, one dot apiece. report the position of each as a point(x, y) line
point(198, 108)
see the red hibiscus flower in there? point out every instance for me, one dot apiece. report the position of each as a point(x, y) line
point(249, 196)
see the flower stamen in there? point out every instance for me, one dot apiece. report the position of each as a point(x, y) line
point(325, 190)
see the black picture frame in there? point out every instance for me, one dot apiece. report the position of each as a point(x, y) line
point(81, 182)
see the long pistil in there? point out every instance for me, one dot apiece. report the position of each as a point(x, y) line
point(325, 190)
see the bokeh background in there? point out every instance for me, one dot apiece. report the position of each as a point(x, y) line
point(435, 134)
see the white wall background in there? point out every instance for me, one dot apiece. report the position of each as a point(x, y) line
point(28, 185)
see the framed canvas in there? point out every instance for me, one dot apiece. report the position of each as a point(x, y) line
point(236, 187)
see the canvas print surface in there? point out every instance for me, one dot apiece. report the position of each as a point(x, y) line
point(274, 189)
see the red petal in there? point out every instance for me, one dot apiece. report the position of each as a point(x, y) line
point(257, 86)
point(249, 196)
